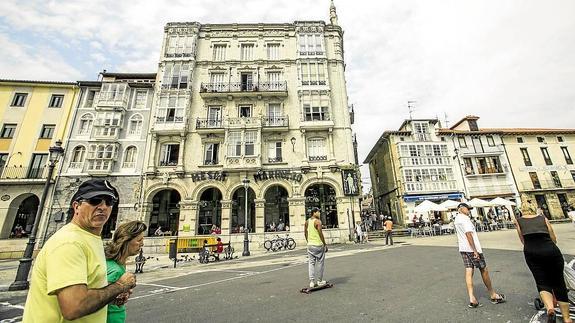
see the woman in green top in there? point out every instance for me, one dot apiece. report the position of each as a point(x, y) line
point(127, 241)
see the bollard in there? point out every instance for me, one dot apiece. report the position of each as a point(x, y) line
point(140, 261)
point(173, 250)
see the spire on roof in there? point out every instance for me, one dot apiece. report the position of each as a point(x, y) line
point(332, 14)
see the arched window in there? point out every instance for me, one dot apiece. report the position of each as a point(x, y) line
point(78, 155)
point(135, 125)
point(86, 122)
point(130, 157)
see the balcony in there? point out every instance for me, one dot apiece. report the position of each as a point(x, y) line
point(113, 100)
point(275, 123)
point(210, 90)
point(243, 162)
point(317, 158)
point(244, 122)
point(211, 162)
point(21, 175)
point(430, 186)
point(547, 185)
point(169, 125)
point(209, 125)
point(497, 189)
point(317, 122)
point(275, 160)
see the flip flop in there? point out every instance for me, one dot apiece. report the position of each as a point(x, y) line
point(474, 305)
point(498, 300)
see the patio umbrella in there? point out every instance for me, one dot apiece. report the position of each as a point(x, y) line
point(427, 206)
point(479, 203)
point(449, 204)
point(502, 201)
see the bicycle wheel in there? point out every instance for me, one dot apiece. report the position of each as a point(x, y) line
point(268, 244)
point(291, 244)
point(276, 246)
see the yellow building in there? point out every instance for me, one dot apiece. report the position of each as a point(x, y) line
point(33, 116)
point(543, 168)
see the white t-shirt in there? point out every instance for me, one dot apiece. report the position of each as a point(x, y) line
point(462, 225)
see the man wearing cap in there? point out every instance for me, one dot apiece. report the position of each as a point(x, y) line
point(69, 276)
point(388, 231)
point(316, 248)
point(472, 255)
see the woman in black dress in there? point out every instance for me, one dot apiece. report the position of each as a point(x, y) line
point(545, 261)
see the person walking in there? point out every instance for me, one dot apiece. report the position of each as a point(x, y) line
point(69, 275)
point(388, 231)
point(316, 248)
point(545, 262)
point(127, 241)
point(472, 255)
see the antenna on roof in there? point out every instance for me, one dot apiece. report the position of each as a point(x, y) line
point(446, 120)
point(411, 108)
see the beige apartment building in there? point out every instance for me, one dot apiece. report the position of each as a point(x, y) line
point(264, 103)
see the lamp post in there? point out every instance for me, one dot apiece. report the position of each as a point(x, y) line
point(21, 281)
point(246, 252)
point(293, 143)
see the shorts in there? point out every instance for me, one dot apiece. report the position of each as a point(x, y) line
point(470, 262)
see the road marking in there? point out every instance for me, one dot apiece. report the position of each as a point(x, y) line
point(20, 307)
point(251, 272)
point(156, 285)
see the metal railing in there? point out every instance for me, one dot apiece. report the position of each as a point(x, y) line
point(243, 87)
point(207, 123)
point(317, 158)
point(169, 119)
point(275, 160)
point(547, 184)
point(14, 172)
point(282, 121)
point(211, 162)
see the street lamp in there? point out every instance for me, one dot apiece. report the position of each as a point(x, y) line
point(246, 183)
point(293, 143)
point(21, 281)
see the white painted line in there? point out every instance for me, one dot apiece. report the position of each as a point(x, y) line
point(237, 271)
point(20, 307)
point(156, 285)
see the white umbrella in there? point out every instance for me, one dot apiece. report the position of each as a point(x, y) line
point(479, 203)
point(502, 201)
point(427, 206)
point(449, 204)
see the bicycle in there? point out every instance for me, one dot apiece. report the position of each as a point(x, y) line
point(279, 243)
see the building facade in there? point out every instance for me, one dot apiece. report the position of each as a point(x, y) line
point(34, 115)
point(411, 165)
point(543, 168)
point(107, 138)
point(266, 103)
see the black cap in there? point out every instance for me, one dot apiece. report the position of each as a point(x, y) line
point(465, 205)
point(95, 187)
point(315, 209)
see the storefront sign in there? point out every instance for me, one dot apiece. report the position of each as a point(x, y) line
point(278, 174)
point(350, 182)
point(204, 176)
point(451, 196)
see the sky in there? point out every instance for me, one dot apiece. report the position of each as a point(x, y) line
point(512, 62)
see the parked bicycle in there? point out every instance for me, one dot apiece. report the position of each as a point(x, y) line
point(279, 243)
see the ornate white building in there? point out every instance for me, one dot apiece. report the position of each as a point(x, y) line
point(266, 102)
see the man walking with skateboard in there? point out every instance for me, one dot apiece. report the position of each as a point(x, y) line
point(472, 254)
point(316, 248)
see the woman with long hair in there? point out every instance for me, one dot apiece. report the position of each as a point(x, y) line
point(545, 261)
point(127, 241)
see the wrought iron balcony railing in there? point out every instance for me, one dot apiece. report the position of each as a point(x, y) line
point(275, 160)
point(207, 123)
point(244, 87)
point(276, 121)
point(317, 158)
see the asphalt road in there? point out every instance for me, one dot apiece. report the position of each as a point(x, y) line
point(401, 284)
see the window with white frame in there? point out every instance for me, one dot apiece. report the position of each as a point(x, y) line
point(141, 99)
point(169, 154)
point(78, 154)
point(112, 92)
point(136, 122)
point(176, 75)
point(274, 79)
point(312, 73)
point(311, 44)
point(315, 107)
point(247, 52)
point(234, 144)
point(421, 131)
point(85, 126)
point(219, 52)
point(109, 123)
point(273, 51)
point(56, 101)
point(275, 152)
point(316, 149)
point(19, 99)
point(179, 45)
point(101, 156)
point(171, 108)
point(211, 151)
point(91, 97)
point(490, 141)
point(428, 179)
point(275, 115)
point(250, 143)
point(217, 81)
point(214, 116)
point(47, 131)
point(245, 111)
point(130, 156)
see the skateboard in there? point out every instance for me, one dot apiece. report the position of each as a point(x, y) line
point(309, 290)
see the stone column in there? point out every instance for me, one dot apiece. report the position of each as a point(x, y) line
point(152, 156)
point(226, 216)
point(180, 167)
point(260, 210)
point(188, 215)
point(297, 214)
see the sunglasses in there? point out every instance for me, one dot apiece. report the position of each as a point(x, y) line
point(97, 200)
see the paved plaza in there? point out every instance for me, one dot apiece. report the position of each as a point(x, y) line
point(416, 280)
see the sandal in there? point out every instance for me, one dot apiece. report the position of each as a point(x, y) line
point(551, 316)
point(474, 305)
point(498, 300)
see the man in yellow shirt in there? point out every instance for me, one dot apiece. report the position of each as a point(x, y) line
point(316, 248)
point(69, 275)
